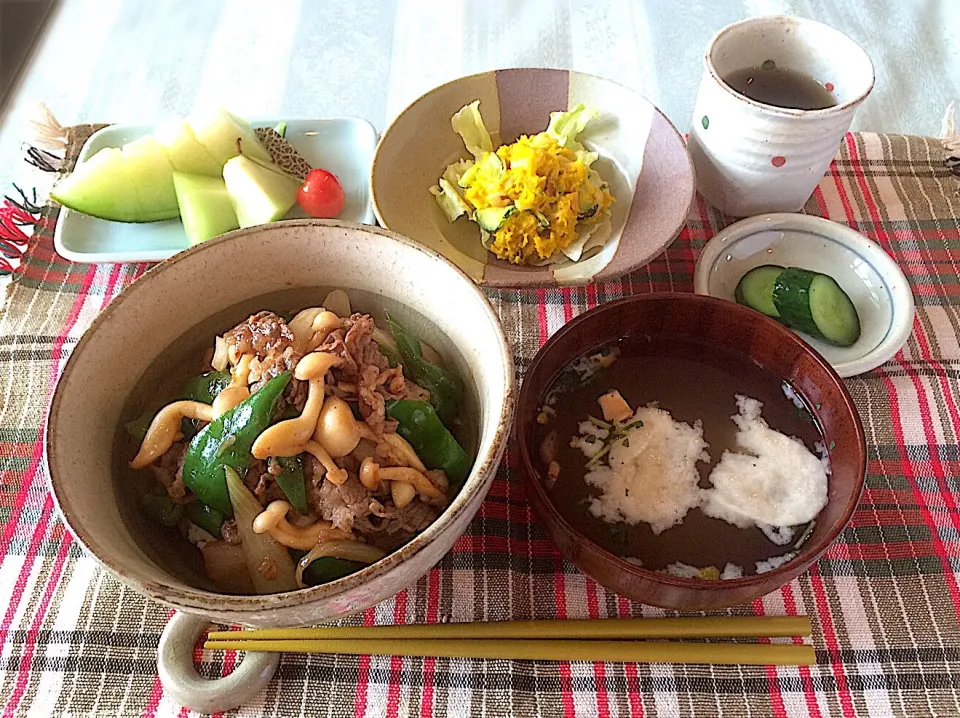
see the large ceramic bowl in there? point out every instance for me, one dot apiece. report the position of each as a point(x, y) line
point(197, 284)
point(751, 338)
point(642, 156)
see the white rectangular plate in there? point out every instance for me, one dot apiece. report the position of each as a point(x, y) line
point(342, 145)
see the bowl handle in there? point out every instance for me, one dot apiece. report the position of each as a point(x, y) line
point(182, 683)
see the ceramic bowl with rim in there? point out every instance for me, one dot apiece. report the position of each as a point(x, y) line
point(752, 339)
point(874, 282)
point(642, 157)
point(147, 317)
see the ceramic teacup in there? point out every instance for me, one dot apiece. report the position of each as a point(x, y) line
point(752, 157)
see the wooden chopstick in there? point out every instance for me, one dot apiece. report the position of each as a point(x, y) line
point(759, 654)
point(573, 629)
point(611, 639)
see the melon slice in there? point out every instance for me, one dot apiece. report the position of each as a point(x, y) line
point(260, 192)
point(135, 183)
point(102, 187)
point(205, 206)
point(152, 176)
point(218, 131)
point(239, 120)
point(183, 150)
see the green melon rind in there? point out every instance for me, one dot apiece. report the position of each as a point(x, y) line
point(101, 187)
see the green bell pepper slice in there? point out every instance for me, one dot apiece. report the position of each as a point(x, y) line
point(210, 520)
point(435, 445)
point(293, 483)
point(205, 387)
point(328, 568)
point(226, 441)
point(445, 388)
point(392, 355)
point(158, 505)
point(138, 427)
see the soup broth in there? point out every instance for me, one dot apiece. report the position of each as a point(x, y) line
point(693, 382)
point(184, 358)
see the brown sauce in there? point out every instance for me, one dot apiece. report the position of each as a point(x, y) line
point(691, 381)
point(780, 87)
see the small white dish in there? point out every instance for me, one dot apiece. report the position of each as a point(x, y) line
point(341, 145)
point(871, 278)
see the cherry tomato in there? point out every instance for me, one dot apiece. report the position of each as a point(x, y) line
point(321, 195)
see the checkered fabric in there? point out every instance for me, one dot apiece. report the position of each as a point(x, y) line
point(885, 599)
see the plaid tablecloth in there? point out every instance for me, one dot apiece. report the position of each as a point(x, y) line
point(885, 599)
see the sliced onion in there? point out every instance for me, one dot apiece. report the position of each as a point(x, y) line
point(226, 566)
point(345, 549)
point(430, 354)
point(219, 361)
point(302, 327)
point(258, 548)
point(385, 339)
point(338, 302)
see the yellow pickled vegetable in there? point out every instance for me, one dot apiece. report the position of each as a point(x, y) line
point(535, 199)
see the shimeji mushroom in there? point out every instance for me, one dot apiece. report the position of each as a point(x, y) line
point(165, 429)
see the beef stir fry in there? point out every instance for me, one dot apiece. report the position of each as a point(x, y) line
point(307, 449)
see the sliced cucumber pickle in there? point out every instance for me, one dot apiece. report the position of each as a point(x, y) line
point(833, 312)
point(814, 303)
point(755, 289)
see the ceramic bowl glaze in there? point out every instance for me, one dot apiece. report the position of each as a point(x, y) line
point(752, 338)
point(216, 275)
point(642, 157)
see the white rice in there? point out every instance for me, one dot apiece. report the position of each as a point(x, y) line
point(682, 570)
point(776, 481)
point(731, 571)
point(590, 440)
point(587, 366)
point(651, 475)
point(775, 562)
point(780, 535)
point(197, 536)
point(793, 396)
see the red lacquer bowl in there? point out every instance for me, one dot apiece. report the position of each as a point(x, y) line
point(749, 336)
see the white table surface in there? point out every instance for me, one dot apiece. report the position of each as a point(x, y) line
point(133, 61)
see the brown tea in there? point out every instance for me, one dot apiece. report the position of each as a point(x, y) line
point(780, 87)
